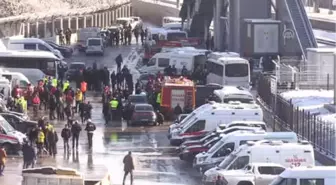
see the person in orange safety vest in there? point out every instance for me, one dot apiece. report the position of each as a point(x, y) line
point(83, 88)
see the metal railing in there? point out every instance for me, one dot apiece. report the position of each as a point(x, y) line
point(287, 117)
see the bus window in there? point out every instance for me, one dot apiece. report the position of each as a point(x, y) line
point(214, 68)
point(199, 61)
point(236, 70)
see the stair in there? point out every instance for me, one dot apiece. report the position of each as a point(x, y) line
point(301, 25)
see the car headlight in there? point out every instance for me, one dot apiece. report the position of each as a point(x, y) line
point(202, 159)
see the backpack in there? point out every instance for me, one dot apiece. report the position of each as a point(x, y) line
point(36, 100)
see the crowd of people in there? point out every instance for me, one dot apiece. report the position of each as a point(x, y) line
point(123, 35)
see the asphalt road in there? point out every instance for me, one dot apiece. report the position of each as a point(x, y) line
point(155, 161)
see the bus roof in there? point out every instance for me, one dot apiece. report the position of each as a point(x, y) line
point(28, 54)
point(230, 90)
point(228, 60)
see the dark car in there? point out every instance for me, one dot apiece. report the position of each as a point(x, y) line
point(66, 51)
point(143, 114)
point(19, 123)
point(74, 69)
point(189, 153)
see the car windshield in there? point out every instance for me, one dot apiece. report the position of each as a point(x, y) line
point(227, 161)
point(77, 66)
point(144, 108)
point(137, 99)
point(94, 42)
point(215, 147)
point(6, 126)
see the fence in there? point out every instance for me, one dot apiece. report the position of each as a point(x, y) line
point(287, 117)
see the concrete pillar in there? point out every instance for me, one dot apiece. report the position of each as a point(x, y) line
point(23, 25)
point(109, 20)
point(69, 22)
point(188, 15)
point(36, 29)
point(100, 19)
point(92, 20)
point(77, 23)
point(53, 28)
point(335, 79)
point(45, 29)
point(104, 19)
point(84, 21)
point(96, 20)
point(28, 29)
point(113, 15)
point(217, 27)
point(61, 23)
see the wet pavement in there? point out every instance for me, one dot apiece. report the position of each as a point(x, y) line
point(155, 160)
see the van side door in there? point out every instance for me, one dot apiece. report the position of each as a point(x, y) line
point(222, 152)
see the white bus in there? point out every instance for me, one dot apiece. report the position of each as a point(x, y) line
point(45, 61)
point(234, 71)
point(166, 20)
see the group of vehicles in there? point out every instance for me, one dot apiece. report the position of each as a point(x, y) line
point(226, 140)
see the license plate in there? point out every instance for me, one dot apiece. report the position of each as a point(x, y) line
point(144, 119)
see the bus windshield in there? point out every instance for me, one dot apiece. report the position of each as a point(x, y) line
point(236, 70)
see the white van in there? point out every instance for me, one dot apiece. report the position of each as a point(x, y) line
point(285, 154)
point(32, 44)
point(94, 46)
point(218, 152)
point(208, 121)
point(160, 61)
point(192, 116)
point(260, 124)
point(167, 20)
point(307, 175)
point(233, 71)
point(10, 139)
point(5, 88)
point(15, 78)
point(233, 93)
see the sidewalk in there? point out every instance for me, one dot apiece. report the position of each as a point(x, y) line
point(323, 15)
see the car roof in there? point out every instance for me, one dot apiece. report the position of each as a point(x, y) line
point(143, 105)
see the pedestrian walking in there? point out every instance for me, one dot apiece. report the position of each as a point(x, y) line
point(66, 134)
point(29, 155)
point(90, 128)
point(75, 130)
point(128, 167)
point(52, 141)
point(3, 156)
point(40, 141)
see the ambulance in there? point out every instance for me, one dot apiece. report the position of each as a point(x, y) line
point(233, 93)
point(265, 151)
point(10, 138)
point(207, 121)
point(303, 175)
point(218, 152)
point(160, 61)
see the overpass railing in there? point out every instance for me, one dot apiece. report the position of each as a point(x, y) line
point(46, 24)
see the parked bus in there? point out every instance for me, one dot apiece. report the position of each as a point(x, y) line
point(45, 61)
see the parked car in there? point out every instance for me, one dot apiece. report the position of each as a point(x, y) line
point(66, 51)
point(74, 69)
point(143, 114)
point(19, 123)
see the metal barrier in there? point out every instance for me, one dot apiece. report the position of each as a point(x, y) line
point(287, 117)
point(44, 25)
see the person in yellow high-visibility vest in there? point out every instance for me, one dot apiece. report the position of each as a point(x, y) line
point(40, 141)
point(66, 85)
point(24, 105)
point(114, 105)
point(54, 82)
point(79, 98)
point(158, 101)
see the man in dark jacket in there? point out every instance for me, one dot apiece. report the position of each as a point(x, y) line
point(128, 166)
point(66, 134)
point(75, 130)
point(90, 128)
point(159, 117)
point(52, 141)
point(29, 155)
point(177, 110)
